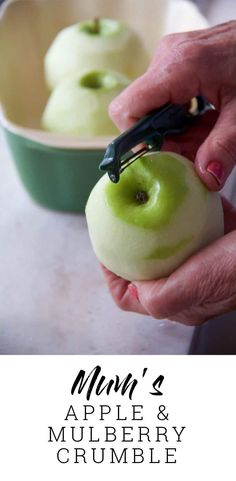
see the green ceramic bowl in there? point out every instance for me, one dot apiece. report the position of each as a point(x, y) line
point(57, 178)
point(57, 171)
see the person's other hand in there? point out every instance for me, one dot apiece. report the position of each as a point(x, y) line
point(203, 287)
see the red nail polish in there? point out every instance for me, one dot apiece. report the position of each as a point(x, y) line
point(133, 291)
point(217, 170)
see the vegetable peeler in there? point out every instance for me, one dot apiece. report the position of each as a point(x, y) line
point(150, 131)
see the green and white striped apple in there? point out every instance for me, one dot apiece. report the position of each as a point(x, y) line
point(79, 104)
point(95, 44)
point(155, 217)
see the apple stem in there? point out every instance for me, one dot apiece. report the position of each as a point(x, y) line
point(96, 25)
point(141, 197)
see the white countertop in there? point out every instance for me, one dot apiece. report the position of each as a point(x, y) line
point(53, 299)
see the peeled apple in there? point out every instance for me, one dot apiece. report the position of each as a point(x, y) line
point(154, 218)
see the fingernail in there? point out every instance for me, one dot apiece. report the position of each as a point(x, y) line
point(217, 170)
point(133, 291)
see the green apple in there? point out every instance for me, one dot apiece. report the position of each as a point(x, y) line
point(154, 218)
point(79, 104)
point(92, 45)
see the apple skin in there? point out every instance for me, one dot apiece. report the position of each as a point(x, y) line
point(79, 104)
point(74, 49)
point(149, 240)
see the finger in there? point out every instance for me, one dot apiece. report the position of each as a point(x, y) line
point(162, 83)
point(190, 141)
point(179, 71)
point(136, 100)
point(147, 93)
point(202, 287)
point(217, 155)
point(122, 293)
point(173, 76)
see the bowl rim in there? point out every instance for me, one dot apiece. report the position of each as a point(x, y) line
point(55, 140)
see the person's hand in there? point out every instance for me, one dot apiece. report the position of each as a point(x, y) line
point(203, 287)
point(186, 65)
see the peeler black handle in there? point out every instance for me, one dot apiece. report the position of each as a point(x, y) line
point(151, 130)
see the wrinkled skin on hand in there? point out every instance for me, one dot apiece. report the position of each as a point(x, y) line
point(186, 65)
point(203, 287)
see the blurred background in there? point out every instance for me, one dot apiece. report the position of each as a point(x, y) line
point(52, 296)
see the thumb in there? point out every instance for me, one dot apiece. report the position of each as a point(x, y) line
point(216, 157)
point(149, 294)
point(202, 287)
